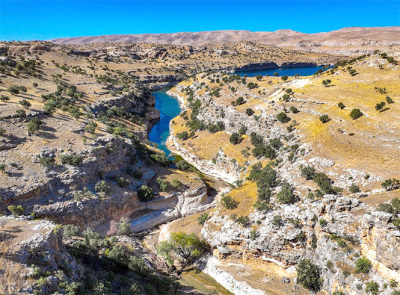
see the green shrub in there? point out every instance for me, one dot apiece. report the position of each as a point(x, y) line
point(2, 131)
point(124, 227)
point(393, 284)
point(25, 103)
point(354, 189)
point(372, 287)
point(326, 82)
point(91, 127)
point(202, 218)
point(294, 110)
point(228, 202)
point(286, 196)
point(308, 172)
point(163, 184)
point(123, 182)
point(243, 220)
point(145, 193)
point(391, 184)
point(16, 210)
point(102, 187)
point(323, 182)
point(324, 118)
point(21, 113)
point(363, 265)
point(308, 275)
point(282, 117)
point(277, 220)
point(70, 230)
point(323, 222)
point(183, 135)
point(13, 89)
point(46, 161)
point(341, 105)
point(254, 234)
point(34, 125)
point(4, 98)
point(276, 143)
point(71, 159)
point(355, 114)
point(249, 112)
point(389, 99)
point(286, 97)
point(176, 183)
point(234, 138)
point(379, 106)
point(186, 247)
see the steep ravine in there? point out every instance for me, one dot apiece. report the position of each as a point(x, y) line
point(333, 231)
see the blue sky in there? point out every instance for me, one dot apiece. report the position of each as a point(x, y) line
point(46, 19)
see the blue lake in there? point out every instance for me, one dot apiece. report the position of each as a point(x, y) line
point(169, 107)
point(283, 71)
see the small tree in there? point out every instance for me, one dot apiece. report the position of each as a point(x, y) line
point(249, 112)
point(13, 89)
point(324, 118)
point(176, 183)
point(372, 287)
point(26, 104)
point(163, 184)
point(282, 117)
point(285, 77)
point(286, 195)
point(228, 202)
point(308, 172)
point(389, 99)
point(16, 210)
point(202, 218)
point(391, 184)
point(21, 113)
point(363, 265)
point(379, 106)
point(308, 275)
point(354, 188)
point(145, 193)
point(186, 247)
point(326, 82)
point(124, 227)
point(4, 98)
point(234, 138)
point(102, 187)
point(34, 125)
point(355, 114)
point(341, 105)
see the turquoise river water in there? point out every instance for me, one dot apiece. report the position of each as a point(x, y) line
point(169, 107)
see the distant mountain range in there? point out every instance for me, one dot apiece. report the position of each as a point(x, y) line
point(352, 36)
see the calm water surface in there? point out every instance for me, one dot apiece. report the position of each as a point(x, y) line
point(169, 107)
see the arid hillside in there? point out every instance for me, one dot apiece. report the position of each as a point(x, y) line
point(351, 39)
point(315, 162)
